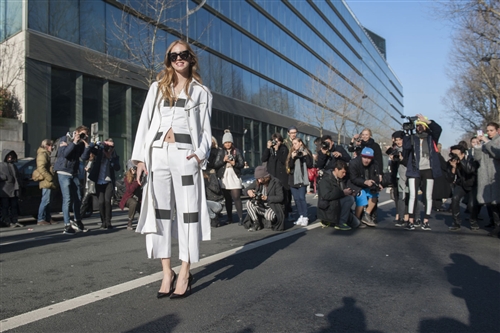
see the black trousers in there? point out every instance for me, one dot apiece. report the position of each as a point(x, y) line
point(11, 203)
point(104, 193)
point(458, 194)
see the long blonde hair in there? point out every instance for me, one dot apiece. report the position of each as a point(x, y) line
point(292, 149)
point(167, 76)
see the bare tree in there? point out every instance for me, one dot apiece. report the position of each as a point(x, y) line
point(12, 68)
point(474, 67)
point(139, 37)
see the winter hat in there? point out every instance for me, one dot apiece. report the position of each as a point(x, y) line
point(423, 123)
point(261, 172)
point(227, 137)
point(130, 165)
point(398, 134)
point(367, 152)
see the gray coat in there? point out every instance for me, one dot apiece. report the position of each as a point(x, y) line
point(488, 174)
point(9, 176)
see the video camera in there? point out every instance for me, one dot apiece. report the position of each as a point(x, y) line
point(394, 151)
point(409, 126)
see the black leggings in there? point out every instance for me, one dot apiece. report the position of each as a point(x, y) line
point(104, 192)
point(230, 196)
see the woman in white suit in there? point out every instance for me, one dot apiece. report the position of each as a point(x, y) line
point(171, 147)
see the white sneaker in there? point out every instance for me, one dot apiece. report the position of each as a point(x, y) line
point(299, 221)
point(305, 221)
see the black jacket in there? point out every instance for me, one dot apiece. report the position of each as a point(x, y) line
point(215, 159)
point(327, 161)
point(465, 174)
point(276, 163)
point(377, 152)
point(330, 191)
point(240, 163)
point(358, 173)
point(213, 191)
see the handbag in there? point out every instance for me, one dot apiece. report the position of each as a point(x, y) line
point(312, 173)
point(91, 187)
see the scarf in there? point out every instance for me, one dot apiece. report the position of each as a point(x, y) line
point(425, 146)
point(300, 176)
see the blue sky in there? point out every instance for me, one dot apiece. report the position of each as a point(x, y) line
point(418, 46)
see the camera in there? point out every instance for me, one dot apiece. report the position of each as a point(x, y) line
point(394, 151)
point(375, 188)
point(300, 152)
point(230, 157)
point(325, 145)
point(409, 126)
point(274, 142)
point(83, 136)
point(454, 157)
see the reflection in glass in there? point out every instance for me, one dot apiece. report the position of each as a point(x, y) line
point(92, 24)
point(63, 101)
point(38, 15)
point(117, 109)
point(64, 20)
point(92, 101)
point(138, 98)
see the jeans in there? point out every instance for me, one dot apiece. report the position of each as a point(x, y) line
point(214, 208)
point(299, 196)
point(345, 208)
point(44, 209)
point(70, 189)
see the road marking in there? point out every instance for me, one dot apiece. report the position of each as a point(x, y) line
point(54, 309)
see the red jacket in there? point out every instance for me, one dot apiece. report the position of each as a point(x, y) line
point(130, 189)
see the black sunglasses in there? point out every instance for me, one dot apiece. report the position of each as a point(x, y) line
point(185, 55)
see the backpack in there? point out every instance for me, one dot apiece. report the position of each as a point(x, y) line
point(55, 149)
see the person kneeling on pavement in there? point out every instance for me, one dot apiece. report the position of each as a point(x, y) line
point(462, 172)
point(266, 204)
point(335, 199)
point(365, 180)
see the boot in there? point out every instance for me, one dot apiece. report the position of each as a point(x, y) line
point(214, 223)
point(456, 223)
point(473, 225)
point(129, 225)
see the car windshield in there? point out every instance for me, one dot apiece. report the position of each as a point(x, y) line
point(247, 171)
point(22, 162)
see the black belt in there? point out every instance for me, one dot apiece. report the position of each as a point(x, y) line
point(180, 138)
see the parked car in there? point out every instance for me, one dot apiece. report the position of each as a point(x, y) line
point(247, 178)
point(30, 194)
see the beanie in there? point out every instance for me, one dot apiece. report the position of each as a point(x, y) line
point(227, 137)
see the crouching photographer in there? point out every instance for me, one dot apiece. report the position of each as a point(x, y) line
point(266, 202)
point(462, 172)
point(365, 180)
point(335, 199)
point(329, 153)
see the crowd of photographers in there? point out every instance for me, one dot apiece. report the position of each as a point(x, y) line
point(347, 187)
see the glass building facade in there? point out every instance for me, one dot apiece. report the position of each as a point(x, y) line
point(257, 57)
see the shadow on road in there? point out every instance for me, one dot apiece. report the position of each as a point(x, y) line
point(348, 318)
point(479, 286)
point(167, 323)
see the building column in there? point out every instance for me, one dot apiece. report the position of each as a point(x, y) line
point(104, 131)
point(78, 100)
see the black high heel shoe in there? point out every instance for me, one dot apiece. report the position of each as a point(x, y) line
point(161, 295)
point(178, 296)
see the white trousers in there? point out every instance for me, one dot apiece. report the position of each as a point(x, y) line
point(175, 183)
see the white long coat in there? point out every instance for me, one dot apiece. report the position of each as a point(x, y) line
point(198, 111)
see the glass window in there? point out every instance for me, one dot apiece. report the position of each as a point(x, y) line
point(117, 23)
point(10, 18)
point(117, 109)
point(226, 42)
point(138, 98)
point(92, 24)
point(92, 101)
point(64, 20)
point(63, 101)
point(38, 15)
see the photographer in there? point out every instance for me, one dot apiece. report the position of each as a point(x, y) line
point(398, 177)
point(292, 134)
point(335, 199)
point(329, 153)
point(423, 166)
point(276, 155)
point(72, 148)
point(462, 172)
point(360, 141)
point(365, 180)
point(266, 194)
point(102, 173)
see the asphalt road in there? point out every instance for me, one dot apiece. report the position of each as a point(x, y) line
point(382, 279)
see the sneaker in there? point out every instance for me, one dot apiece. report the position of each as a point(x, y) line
point(81, 227)
point(418, 222)
point(474, 226)
point(305, 221)
point(399, 223)
point(73, 225)
point(43, 223)
point(68, 229)
point(426, 226)
point(366, 219)
point(454, 227)
point(16, 225)
point(324, 224)
point(409, 226)
point(299, 220)
point(362, 226)
point(342, 226)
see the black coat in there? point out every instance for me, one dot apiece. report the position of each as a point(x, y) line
point(442, 186)
point(329, 194)
point(215, 159)
point(276, 164)
point(357, 176)
point(465, 174)
point(411, 152)
point(327, 161)
point(240, 163)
